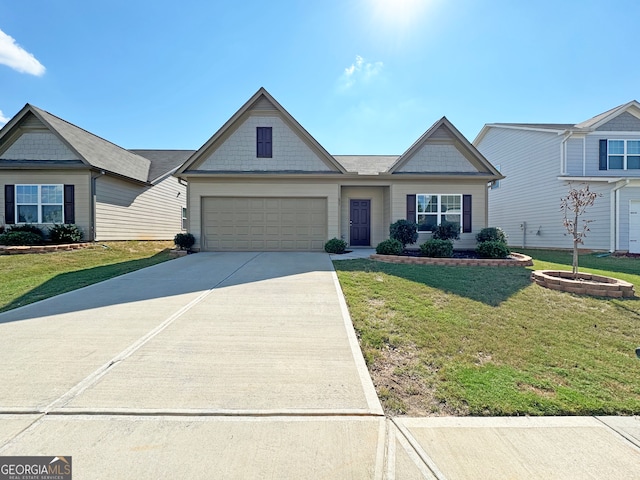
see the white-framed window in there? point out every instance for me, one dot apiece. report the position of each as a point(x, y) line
point(432, 210)
point(496, 183)
point(184, 218)
point(39, 204)
point(623, 154)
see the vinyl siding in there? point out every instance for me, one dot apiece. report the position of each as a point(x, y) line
point(199, 187)
point(531, 192)
point(379, 229)
point(38, 146)
point(128, 211)
point(625, 122)
point(574, 150)
point(81, 181)
point(477, 190)
point(438, 158)
point(238, 151)
point(593, 155)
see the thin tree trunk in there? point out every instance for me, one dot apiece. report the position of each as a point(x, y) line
point(575, 247)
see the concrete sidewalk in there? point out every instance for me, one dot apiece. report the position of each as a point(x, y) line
point(245, 365)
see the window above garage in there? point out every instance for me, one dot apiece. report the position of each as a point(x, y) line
point(263, 142)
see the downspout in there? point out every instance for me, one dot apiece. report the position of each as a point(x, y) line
point(563, 152)
point(614, 235)
point(92, 210)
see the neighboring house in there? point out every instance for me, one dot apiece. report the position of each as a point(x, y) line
point(540, 161)
point(262, 182)
point(54, 172)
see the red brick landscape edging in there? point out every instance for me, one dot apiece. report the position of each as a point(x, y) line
point(5, 250)
point(514, 260)
point(586, 284)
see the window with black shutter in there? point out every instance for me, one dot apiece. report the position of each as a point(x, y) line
point(263, 142)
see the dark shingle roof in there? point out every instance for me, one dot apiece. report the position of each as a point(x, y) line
point(366, 164)
point(163, 161)
point(97, 151)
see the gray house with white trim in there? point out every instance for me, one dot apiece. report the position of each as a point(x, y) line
point(262, 182)
point(540, 161)
point(52, 171)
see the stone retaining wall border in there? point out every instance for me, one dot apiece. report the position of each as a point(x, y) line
point(6, 250)
point(514, 260)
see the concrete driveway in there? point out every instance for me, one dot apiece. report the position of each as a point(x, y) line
point(245, 365)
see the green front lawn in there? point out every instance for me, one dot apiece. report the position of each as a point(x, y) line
point(486, 341)
point(29, 278)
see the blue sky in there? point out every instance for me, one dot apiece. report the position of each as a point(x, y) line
point(362, 76)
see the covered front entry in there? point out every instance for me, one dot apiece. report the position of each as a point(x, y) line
point(360, 222)
point(264, 223)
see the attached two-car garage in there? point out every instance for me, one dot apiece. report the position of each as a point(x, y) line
point(264, 223)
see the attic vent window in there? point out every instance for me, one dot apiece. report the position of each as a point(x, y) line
point(263, 142)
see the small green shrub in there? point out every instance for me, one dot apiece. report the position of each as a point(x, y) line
point(436, 247)
point(491, 234)
point(335, 245)
point(184, 240)
point(27, 227)
point(20, 238)
point(389, 247)
point(447, 231)
point(404, 231)
point(492, 249)
point(65, 233)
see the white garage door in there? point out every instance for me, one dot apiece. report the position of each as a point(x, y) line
point(263, 224)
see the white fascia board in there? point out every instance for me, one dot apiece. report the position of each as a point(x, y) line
point(590, 179)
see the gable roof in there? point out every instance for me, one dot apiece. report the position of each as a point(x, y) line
point(633, 107)
point(94, 151)
point(479, 161)
point(260, 96)
point(589, 125)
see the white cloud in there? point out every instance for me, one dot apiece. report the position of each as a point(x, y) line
point(3, 119)
point(360, 70)
point(16, 57)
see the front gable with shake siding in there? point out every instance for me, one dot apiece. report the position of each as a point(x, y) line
point(540, 161)
point(262, 182)
point(52, 172)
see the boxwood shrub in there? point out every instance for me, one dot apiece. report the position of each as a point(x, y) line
point(27, 227)
point(335, 245)
point(65, 233)
point(404, 231)
point(492, 249)
point(436, 247)
point(447, 231)
point(184, 240)
point(15, 238)
point(491, 234)
point(389, 247)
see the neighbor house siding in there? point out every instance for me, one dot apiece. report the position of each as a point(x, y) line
point(203, 187)
point(527, 203)
point(238, 152)
point(478, 192)
point(593, 155)
point(625, 122)
point(80, 180)
point(38, 146)
point(377, 221)
point(130, 211)
point(574, 151)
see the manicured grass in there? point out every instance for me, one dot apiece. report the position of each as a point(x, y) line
point(486, 341)
point(29, 278)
